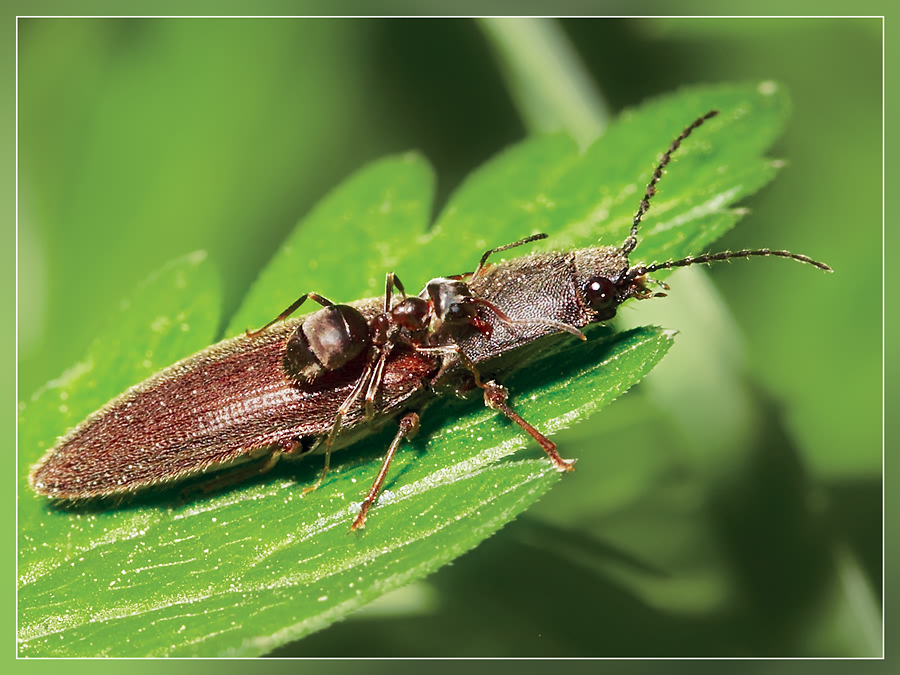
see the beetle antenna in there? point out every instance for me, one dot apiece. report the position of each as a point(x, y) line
point(707, 258)
point(631, 241)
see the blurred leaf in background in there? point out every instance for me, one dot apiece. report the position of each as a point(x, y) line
point(142, 140)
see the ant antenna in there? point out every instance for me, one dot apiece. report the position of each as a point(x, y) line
point(505, 318)
point(640, 270)
point(631, 241)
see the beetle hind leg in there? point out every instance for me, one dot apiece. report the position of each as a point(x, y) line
point(231, 476)
point(409, 425)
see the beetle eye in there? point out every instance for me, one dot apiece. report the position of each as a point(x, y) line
point(600, 293)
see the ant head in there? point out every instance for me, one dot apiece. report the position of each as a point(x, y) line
point(606, 276)
point(450, 300)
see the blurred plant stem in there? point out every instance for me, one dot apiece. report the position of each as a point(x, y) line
point(854, 588)
point(701, 385)
point(551, 88)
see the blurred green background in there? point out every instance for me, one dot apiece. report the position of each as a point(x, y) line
point(142, 140)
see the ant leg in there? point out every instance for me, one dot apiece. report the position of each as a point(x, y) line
point(383, 341)
point(391, 282)
point(409, 425)
point(558, 325)
point(325, 302)
point(495, 396)
point(358, 388)
point(375, 383)
point(505, 247)
point(388, 291)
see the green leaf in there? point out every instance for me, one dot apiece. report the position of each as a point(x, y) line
point(260, 565)
point(349, 241)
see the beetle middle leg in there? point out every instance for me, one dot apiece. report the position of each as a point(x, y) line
point(495, 396)
point(409, 425)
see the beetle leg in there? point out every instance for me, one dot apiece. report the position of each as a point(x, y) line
point(460, 354)
point(495, 396)
point(409, 425)
point(232, 476)
point(289, 446)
